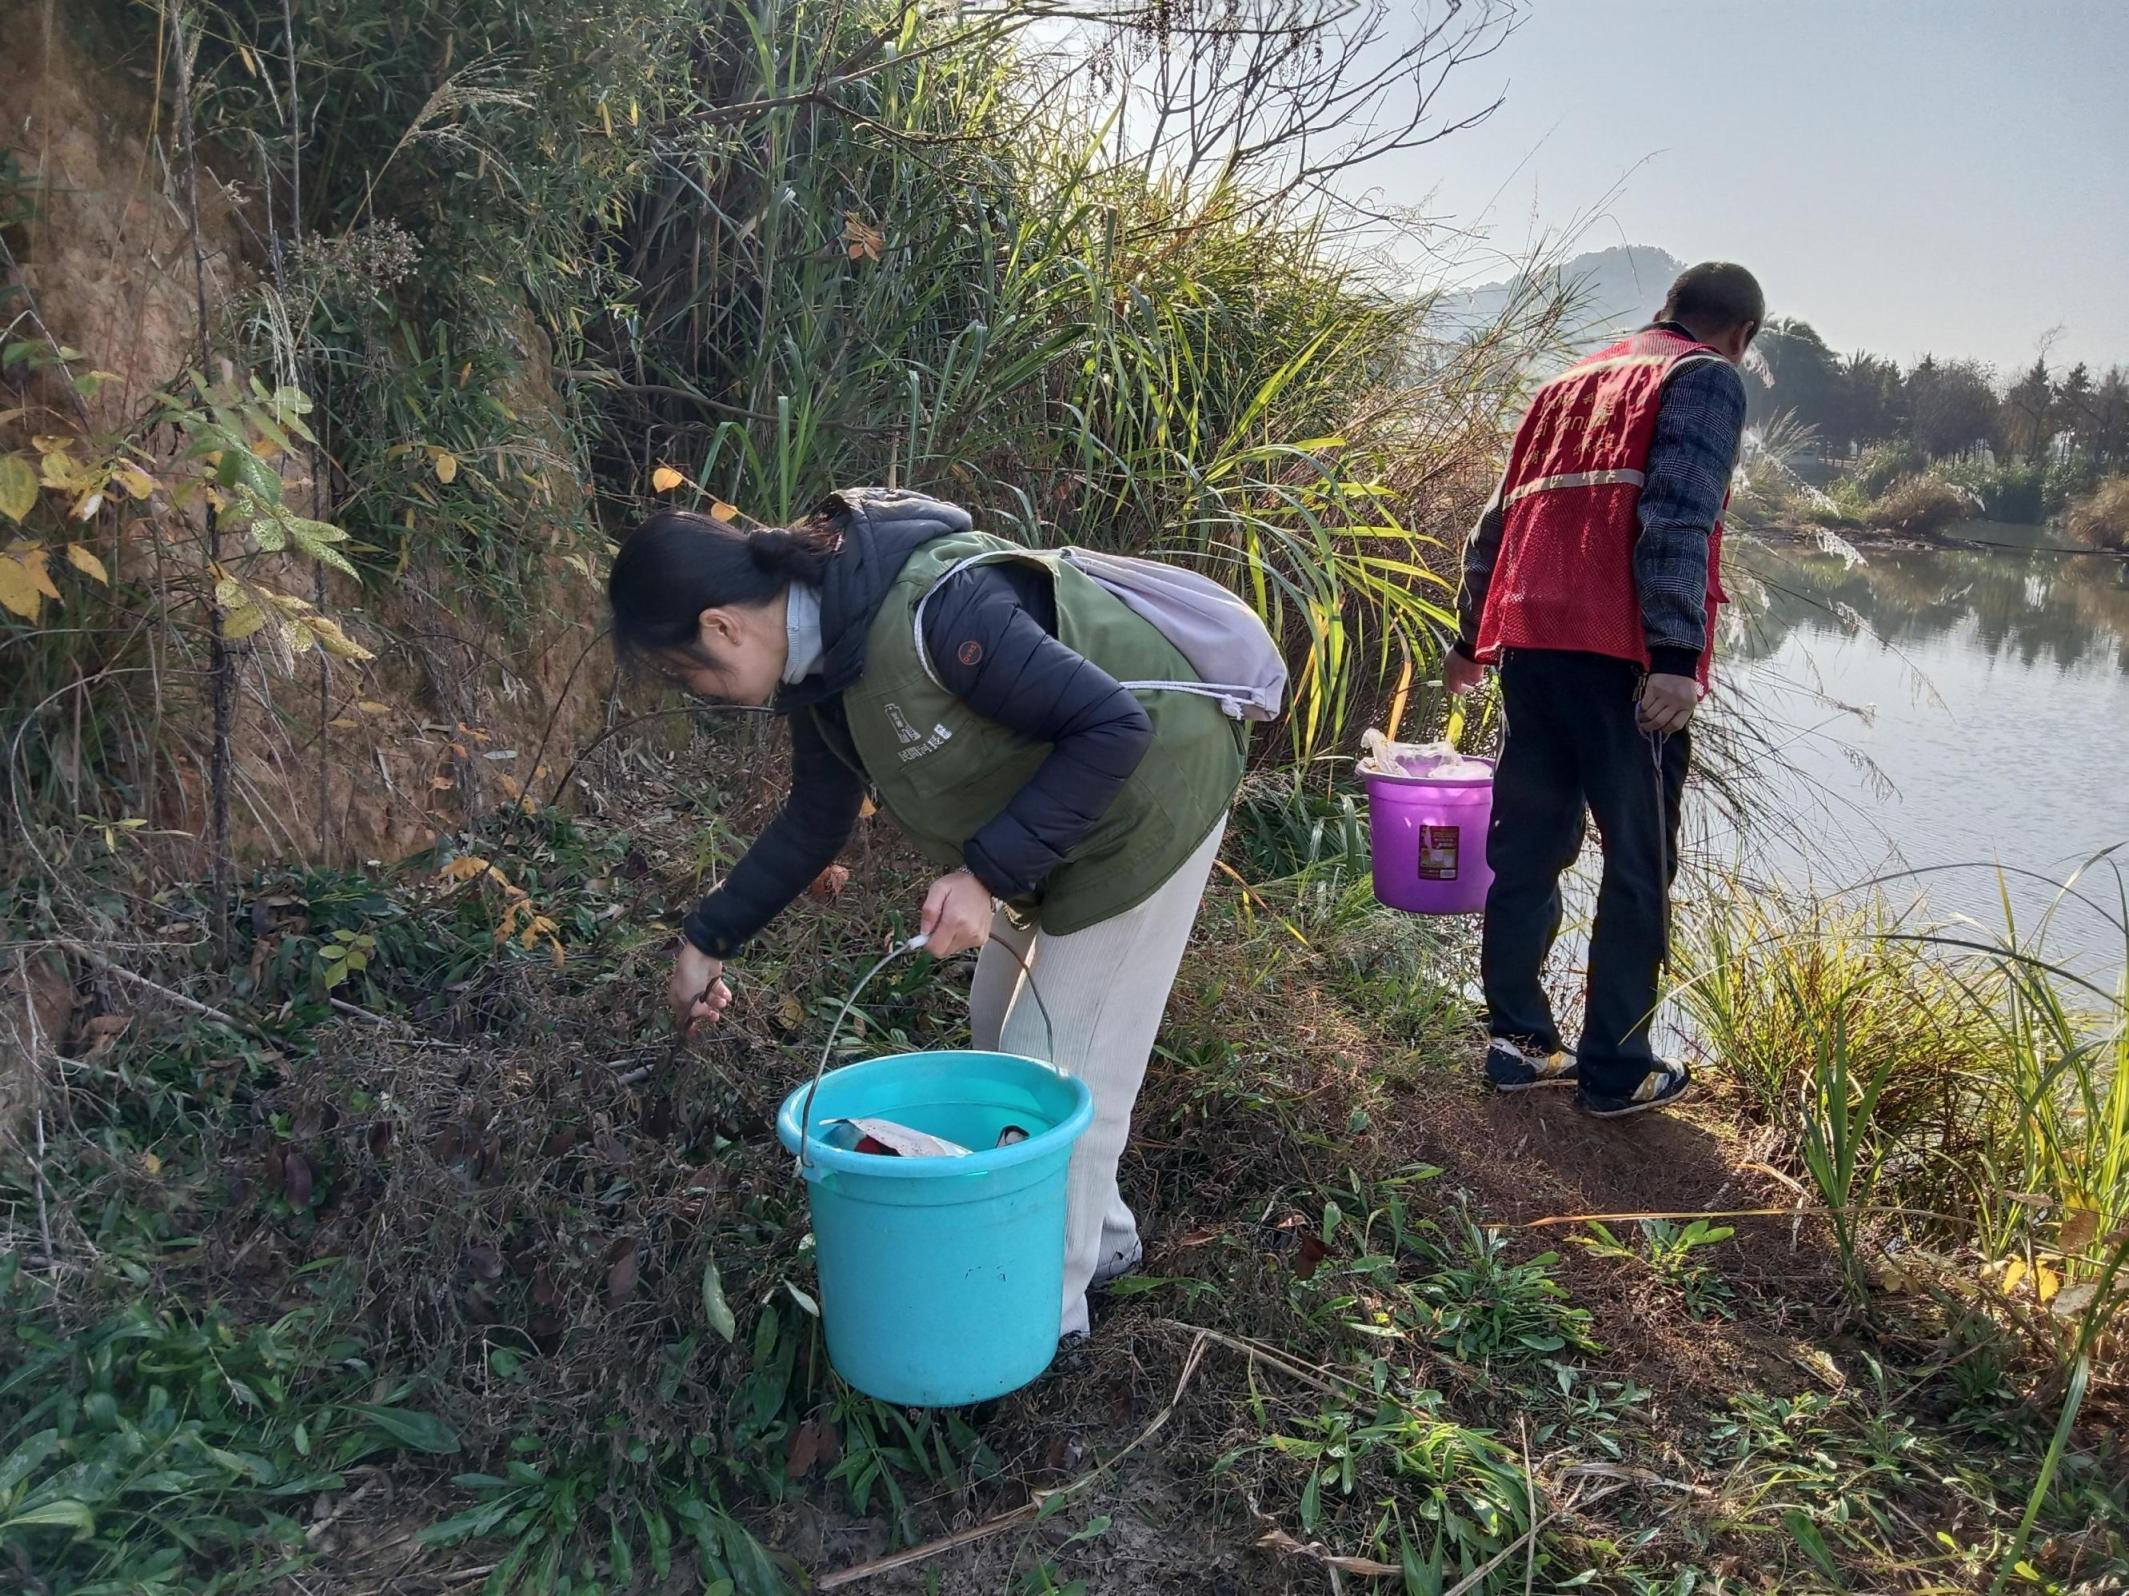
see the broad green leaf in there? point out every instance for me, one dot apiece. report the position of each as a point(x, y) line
point(714, 1306)
point(1806, 1534)
point(421, 1432)
point(65, 1515)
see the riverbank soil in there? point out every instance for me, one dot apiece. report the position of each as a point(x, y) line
point(425, 1262)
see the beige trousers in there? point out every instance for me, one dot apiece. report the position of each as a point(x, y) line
point(1106, 988)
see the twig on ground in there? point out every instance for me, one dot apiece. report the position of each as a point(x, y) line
point(207, 1011)
point(36, 1046)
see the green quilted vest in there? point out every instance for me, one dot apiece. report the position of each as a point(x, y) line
point(942, 770)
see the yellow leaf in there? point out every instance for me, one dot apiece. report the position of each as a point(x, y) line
point(664, 479)
point(251, 66)
point(791, 1014)
point(33, 561)
point(2046, 1282)
point(606, 117)
point(239, 624)
point(340, 723)
point(150, 1163)
point(265, 448)
point(134, 480)
point(87, 564)
point(867, 809)
point(88, 504)
point(17, 592)
point(370, 706)
point(446, 466)
point(464, 868)
point(721, 511)
point(635, 114)
point(2013, 1272)
point(18, 486)
point(337, 642)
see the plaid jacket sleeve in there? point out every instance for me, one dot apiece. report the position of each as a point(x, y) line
point(1698, 429)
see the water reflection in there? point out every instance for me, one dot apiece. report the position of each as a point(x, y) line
point(2018, 604)
point(1938, 707)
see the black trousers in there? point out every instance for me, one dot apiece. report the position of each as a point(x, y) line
point(1573, 748)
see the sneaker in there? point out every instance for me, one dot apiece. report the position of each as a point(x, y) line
point(1659, 1088)
point(1515, 1068)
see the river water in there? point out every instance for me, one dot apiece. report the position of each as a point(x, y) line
point(1937, 707)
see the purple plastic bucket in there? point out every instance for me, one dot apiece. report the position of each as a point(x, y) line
point(1428, 838)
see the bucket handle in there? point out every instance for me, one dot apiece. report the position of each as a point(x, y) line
point(835, 1031)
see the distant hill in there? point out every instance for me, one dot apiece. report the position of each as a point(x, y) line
point(1615, 290)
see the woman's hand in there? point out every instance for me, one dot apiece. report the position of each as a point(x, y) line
point(697, 993)
point(957, 915)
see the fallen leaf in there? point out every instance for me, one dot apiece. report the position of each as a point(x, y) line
point(2014, 1271)
point(867, 809)
point(151, 1164)
point(810, 1442)
point(446, 466)
point(2079, 1228)
point(1276, 1539)
point(1309, 1254)
point(665, 479)
point(829, 884)
point(790, 1013)
point(721, 511)
point(105, 1030)
point(622, 1268)
point(2074, 1300)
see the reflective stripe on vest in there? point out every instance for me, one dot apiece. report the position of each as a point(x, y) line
point(1575, 479)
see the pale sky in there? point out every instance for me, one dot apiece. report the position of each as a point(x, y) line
point(1907, 175)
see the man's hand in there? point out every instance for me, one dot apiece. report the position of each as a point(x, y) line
point(696, 994)
point(957, 915)
point(1667, 703)
point(1461, 676)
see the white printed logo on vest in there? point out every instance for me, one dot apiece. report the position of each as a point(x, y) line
point(904, 732)
point(938, 739)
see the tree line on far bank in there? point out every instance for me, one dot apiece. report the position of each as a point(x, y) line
point(1946, 438)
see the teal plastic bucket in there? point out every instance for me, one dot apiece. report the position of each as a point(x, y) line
point(942, 1279)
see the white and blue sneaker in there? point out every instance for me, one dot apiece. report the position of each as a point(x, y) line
point(1512, 1067)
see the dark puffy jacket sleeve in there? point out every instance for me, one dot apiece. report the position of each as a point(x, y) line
point(988, 632)
point(802, 841)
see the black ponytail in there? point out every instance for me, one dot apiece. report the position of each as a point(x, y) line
point(678, 564)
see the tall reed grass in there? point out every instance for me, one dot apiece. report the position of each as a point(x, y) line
point(1949, 1095)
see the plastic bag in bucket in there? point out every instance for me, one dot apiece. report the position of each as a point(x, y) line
point(1429, 808)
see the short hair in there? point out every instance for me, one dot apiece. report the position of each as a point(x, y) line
point(1715, 296)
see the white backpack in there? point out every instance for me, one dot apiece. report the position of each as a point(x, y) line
point(1234, 656)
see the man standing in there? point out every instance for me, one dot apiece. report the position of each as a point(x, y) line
point(1592, 582)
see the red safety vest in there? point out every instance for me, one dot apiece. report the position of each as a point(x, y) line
point(1564, 577)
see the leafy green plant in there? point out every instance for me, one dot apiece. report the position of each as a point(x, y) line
point(1668, 1248)
point(1485, 1307)
point(156, 1447)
